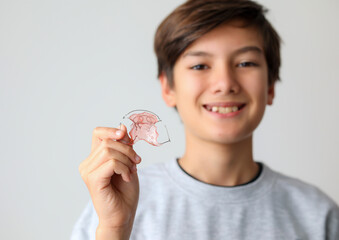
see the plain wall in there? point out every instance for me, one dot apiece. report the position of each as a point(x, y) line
point(69, 66)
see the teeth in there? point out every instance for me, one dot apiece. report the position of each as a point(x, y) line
point(215, 109)
point(224, 110)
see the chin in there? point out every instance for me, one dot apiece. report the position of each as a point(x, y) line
point(230, 138)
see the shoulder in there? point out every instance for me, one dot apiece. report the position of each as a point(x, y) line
point(307, 196)
point(306, 202)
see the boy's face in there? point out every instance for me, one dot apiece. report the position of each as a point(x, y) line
point(225, 66)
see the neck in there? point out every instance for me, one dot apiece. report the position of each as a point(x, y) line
point(220, 164)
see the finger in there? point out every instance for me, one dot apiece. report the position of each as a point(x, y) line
point(84, 164)
point(126, 139)
point(123, 148)
point(115, 146)
point(101, 178)
point(100, 133)
point(122, 169)
point(107, 154)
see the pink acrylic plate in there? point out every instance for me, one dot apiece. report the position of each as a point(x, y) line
point(145, 125)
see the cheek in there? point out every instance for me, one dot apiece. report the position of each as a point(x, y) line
point(195, 87)
point(189, 85)
point(259, 86)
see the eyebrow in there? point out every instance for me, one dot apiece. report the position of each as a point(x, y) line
point(248, 49)
point(237, 52)
point(197, 54)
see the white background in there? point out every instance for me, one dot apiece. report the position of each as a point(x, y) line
point(68, 66)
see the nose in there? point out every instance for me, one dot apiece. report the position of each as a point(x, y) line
point(224, 81)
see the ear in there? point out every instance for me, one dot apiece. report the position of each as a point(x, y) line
point(168, 93)
point(270, 94)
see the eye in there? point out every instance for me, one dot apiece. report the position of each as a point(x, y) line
point(247, 64)
point(199, 67)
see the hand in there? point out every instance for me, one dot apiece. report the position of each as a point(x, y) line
point(111, 178)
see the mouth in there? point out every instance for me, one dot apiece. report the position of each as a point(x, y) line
point(224, 108)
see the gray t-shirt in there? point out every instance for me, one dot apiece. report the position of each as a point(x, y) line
point(174, 205)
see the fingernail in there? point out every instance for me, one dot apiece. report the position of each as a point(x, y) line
point(134, 168)
point(137, 158)
point(119, 132)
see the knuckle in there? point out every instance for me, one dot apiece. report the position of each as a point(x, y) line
point(106, 151)
point(96, 130)
point(114, 162)
point(105, 143)
point(83, 175)
point(80, 167)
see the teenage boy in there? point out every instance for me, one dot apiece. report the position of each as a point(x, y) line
point(218, 62)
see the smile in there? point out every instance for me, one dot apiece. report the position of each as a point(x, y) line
point(223, 109)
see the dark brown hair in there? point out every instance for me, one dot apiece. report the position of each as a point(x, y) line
point(194, 18)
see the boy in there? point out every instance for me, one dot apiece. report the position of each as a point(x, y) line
point(218, 62)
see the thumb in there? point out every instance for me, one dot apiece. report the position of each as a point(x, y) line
point(126, 139)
